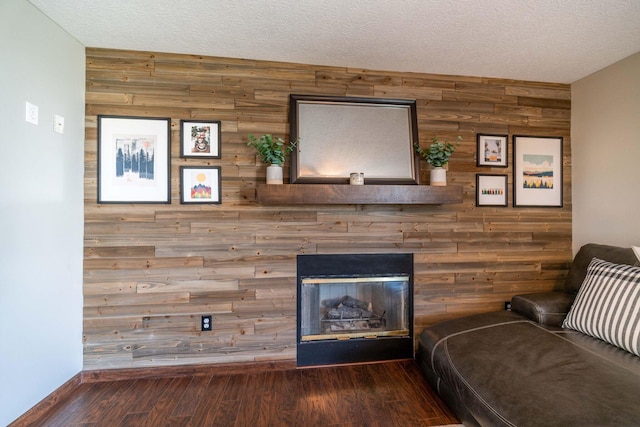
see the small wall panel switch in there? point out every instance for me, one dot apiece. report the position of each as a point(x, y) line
point(32, 113)
point(58, 124)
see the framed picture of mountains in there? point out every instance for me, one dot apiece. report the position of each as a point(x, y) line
point(200, 184)
point(537, 171)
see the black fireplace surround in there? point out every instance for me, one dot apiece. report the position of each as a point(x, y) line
point(354, 308)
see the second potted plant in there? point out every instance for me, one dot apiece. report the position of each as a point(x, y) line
point(273, 151)
point(437, 155)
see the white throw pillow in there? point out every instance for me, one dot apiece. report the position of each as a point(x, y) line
point(608, 305)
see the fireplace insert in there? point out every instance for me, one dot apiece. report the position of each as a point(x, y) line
point(354, 308)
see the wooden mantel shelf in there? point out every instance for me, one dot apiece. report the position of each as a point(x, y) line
point(336, 194)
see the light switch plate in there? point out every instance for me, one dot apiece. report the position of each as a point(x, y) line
point(58, 124)
point(32, 113)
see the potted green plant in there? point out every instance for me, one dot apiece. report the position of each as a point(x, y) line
point(273, 151)
point(437, 155)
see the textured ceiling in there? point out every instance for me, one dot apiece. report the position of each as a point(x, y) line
point(540, 40)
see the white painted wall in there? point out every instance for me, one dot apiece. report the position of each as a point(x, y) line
point(41, 208)
point(605, 144)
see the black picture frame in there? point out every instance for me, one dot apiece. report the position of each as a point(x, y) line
point(200, 185)
point(200, 133)
point(492, 190)
point(492, 150)
point(134, 159)
point(537, 171)
point(339, 135)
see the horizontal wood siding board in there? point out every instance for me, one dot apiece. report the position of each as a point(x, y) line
point(152, 271)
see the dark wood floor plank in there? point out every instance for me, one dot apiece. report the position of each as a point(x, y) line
point(188, 403)
point(351, 406)
point(249, 413)
point(364, 405)
point(436, 410)
point(229, 407)
point(143, 397)
point(226, 413)
point(117, 405)
point(178, 422)
point(135, 419)
point(277, 407)
point(86, 399)
point(167, 401)
point(208, 403)
point(310, 410)
point(384, 394)
point(145, 393)
point(337, 390)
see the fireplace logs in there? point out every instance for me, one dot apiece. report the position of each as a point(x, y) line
point(350, 314)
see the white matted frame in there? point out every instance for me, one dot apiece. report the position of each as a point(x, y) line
point(537, 171)
point(134, 156)
point(200, 184)
point(491, 190)
point(492, 150)
point(200, 138)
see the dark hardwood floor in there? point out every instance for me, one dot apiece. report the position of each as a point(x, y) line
point(383, 394)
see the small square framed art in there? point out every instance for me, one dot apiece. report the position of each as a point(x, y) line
point(200, 184)
point(200, 138)
point(492, 150)
point(491, 190)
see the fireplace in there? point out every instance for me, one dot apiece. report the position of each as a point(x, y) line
point(354, 308)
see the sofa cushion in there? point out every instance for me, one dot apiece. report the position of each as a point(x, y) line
point(507, 371)
point(608, 305)
point(547, 308)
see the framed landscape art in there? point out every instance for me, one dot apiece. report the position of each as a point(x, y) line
point(200, 184)
point(537, 171)
point(134, 160)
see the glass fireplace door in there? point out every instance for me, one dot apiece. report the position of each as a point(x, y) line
point(339, 308)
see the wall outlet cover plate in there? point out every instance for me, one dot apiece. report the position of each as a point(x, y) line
point(58, 124)
point(31, 115)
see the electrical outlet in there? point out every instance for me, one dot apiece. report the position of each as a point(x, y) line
point(507, 305)
point(206, 323)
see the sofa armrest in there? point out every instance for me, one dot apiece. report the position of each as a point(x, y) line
point(547, 308)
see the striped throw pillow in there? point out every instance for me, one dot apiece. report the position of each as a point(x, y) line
point(608, 305)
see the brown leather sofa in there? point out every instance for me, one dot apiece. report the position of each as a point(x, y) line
point(521, 368)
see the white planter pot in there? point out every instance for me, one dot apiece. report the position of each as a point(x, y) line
point(274, 174)
point(438, 177)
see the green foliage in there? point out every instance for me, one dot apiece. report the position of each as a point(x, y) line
point(438, 153)
point(271, 149)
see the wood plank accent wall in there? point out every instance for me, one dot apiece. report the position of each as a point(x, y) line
point(151, 271)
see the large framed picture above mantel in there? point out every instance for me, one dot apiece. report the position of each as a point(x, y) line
point(337, 136)
point(134, 156)
point(537, 171)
